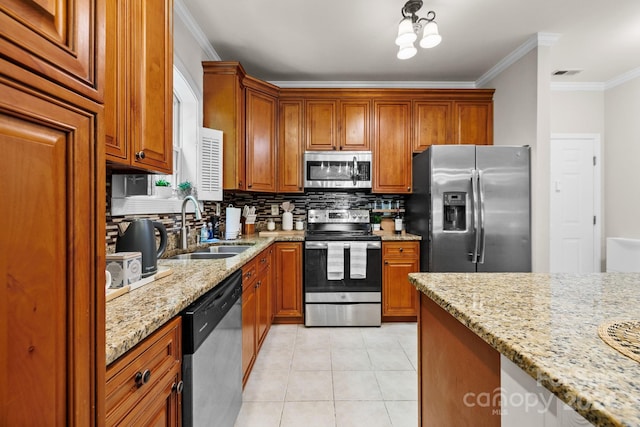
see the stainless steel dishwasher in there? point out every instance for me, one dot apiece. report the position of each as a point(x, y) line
point(212, 356)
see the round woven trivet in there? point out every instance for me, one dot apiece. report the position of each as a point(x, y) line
point(623, 335)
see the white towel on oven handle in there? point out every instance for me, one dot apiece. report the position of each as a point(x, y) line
point(358, 260)
point(335, 260)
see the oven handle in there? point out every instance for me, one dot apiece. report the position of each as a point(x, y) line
point(347, 245)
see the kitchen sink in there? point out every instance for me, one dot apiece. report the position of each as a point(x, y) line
point(204, 255)
point(224, 249)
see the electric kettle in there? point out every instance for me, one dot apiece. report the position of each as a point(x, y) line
point(138, 235)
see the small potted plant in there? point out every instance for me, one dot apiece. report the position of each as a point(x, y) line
point(163, 189)
point(185, 188)
point(376, 219)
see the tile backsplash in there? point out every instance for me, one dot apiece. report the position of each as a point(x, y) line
point(261, 201)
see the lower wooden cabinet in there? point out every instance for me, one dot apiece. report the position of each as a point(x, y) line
point(288, 283)
point(256, 307)
point(143, 386)
point(399, 298)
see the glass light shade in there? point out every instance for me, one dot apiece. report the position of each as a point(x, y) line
point(407, 51)
point(405, 32)
point(430, 36)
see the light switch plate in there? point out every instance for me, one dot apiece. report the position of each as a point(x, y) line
point(274, 210)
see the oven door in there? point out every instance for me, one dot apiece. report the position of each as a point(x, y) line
point(315, 271)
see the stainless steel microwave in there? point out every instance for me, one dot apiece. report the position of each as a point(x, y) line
point(337, 170)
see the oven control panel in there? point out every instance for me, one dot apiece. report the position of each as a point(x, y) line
point(338, 216)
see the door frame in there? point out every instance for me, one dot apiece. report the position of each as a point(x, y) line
point(594, 139)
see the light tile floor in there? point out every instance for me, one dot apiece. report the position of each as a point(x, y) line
point(338, 377)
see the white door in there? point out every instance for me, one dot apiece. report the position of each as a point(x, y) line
point(575, 204)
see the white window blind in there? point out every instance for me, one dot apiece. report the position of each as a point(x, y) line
point(210, 165)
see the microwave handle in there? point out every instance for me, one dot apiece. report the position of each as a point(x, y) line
point(355, 172)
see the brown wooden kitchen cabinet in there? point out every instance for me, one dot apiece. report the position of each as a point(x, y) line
point(62, 41)
point(143, 386)
point(256, 307)
point(473, 122)
point(139, 85)
point(462, 117)
point(392, 147)
point(290, 146)
point(400, 299)
point(337, 124)
point(244, 109)
point(288, 282)
point(432, 124)
point(52, 299)
point(261, 113)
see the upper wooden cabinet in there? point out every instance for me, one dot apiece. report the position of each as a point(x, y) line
point(236, 104)
point(139, 84)
point(457, 117)
point(333, 124)
point(60, 40)
point(261, 112)
point(432, 123)
point(290, 147)
point(473, 122)
point(392, 147)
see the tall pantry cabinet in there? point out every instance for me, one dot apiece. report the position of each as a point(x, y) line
point(52, 358)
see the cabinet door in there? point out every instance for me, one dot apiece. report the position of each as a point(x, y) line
point(431, 123)
point(117, 83)
point(50, 353)
point(161, 407)
point(473, 123)
point(355, 125)
point(321, 124)
point(261, 141)
point(61, 40)
point(392, 147)
point(263, 303)
point(399, 297)
point(290, 147)
point(248, 330)
point(151, 59)
point(288, 286)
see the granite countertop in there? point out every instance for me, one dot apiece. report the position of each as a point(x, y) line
point(396, 237)
point(547, 324)
point(132, 317)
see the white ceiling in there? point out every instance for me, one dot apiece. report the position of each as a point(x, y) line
point(353, 40)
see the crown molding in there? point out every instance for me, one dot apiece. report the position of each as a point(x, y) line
point(183, 13)
point(622, 78)
point(538, 39)
point(375, 84)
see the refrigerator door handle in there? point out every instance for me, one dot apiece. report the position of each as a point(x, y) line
point(476, 215)
point(481, 218)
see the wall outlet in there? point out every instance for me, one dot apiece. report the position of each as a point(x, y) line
point(274, 210)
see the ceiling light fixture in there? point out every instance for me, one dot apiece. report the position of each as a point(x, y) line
point(411, 25)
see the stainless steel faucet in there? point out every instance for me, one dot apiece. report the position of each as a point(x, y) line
point(184, 231)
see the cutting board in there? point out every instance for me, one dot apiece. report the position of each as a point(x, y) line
point(281, 233)
point(115, 293)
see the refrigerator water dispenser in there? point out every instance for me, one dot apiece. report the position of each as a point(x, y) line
point(455, 211)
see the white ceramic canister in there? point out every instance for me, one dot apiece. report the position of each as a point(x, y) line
point(287, 221)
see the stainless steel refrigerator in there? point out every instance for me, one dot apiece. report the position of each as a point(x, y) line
point(472, 207)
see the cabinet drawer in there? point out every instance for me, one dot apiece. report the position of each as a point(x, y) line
point(262, 260)
point(157, 355)
point(400, 250)
point(249, 271)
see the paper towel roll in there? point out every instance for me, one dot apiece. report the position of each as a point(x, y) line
point(232, 223)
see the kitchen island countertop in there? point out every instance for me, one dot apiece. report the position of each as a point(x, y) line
point(547, 324)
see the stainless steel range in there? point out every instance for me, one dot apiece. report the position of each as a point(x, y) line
point(342, 269)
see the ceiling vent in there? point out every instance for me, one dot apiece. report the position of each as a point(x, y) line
point(566, 72)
